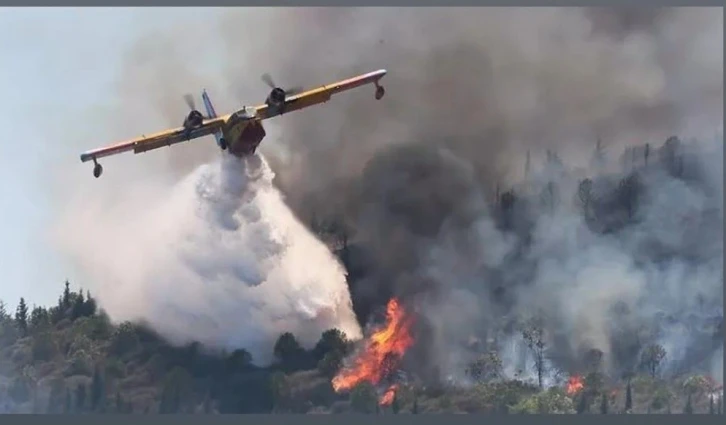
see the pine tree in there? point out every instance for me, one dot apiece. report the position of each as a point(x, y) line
point(646, 154)
point(90, 306)
point(118, 401)
point(55, 398)
point(97, 389)
point(582, 404)
point(80, 398)
point(628, 398)
point(396, 404)
point(78, 306)
point(21, 317)
point(3, 312)
point(66, 300)
point(604, 404)
point(68, 407)
point(689, 406)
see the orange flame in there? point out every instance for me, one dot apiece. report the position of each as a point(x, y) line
point(385, 345)
point(389, 395)
point(574, 385)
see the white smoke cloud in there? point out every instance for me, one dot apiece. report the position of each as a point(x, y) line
point(217, 258)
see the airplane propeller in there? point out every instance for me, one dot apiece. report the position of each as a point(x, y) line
point(267, 79)
point(189, 99)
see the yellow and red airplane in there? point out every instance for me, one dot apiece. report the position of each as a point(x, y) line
point(239, 132)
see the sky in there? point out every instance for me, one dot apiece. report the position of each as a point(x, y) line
point(58, 63)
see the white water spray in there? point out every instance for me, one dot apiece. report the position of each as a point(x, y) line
point(219, 258)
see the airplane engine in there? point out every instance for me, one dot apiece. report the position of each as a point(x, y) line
point(276, 97)
point(194, 119)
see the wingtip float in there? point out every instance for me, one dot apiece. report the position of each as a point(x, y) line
point(240, 132)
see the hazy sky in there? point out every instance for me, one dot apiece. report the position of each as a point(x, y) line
point(57, 64)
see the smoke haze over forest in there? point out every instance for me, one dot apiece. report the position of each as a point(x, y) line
point(479, 102)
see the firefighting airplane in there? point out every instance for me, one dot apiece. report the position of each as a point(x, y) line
point(239, 132)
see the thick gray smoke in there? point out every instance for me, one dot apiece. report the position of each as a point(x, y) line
point(471, 93)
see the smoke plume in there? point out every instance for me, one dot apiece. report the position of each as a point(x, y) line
point(477, 100)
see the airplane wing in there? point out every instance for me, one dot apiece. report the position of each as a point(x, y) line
point(213, 124)
point(157, 140)
point(323, 94)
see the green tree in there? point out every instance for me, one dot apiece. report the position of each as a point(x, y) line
point(331, 363)
point(396, 403)
point(288, 351)
point(688, 409)
point(89, 306)
point(4, 316)
point(124, 340)
point(79, 305)
point(363, 398)
point(584, 192)
point(662, 397)
point(176, 391)
point(486, 367)
point(239, 360)
point(594, 383)
point(43, 347)
point(68, 406)
point(55, 398)
point(21, 317)
point(629, 190)
point(331, 340)
point(120, 408)
point(39, 319)
point(652, 358)
point(534, 337)
point(628, 398)
point(583, 403)
point(66, 299)
point(280, 389)
point(55, 314)
point(550, 401)
point(98, 395)
point(80, 398)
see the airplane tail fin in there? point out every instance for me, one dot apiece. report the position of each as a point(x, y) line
point(211, 113)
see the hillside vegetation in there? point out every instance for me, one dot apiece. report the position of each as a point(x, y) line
point(70, 358)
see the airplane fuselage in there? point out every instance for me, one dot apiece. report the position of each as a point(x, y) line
point(242, 134)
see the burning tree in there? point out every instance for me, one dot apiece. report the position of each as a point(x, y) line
point(380, 354)
point(575, 384)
